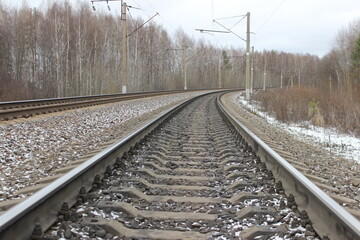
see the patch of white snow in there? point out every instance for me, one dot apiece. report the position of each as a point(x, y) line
point(343, 145)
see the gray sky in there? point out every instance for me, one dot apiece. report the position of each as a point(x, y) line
point(297, 26)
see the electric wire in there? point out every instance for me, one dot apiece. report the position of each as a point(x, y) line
point(230, 30)
point(166, 22)
point(277, 8)
point(131, 17)
point(237, 22)
point(136, 4)
point(212, 9)
point(223, 18)
point(142, 25)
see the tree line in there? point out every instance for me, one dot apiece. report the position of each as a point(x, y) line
point(70, 51)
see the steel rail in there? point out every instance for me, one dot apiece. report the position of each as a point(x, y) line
point(75, 98)
point(55, 107)
point(43, 206)
point(9, 110)
point(36, 102)
point(18, 109)
point(327, 216)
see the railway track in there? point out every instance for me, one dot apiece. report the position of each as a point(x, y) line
point(196, 173)
point(18, 109)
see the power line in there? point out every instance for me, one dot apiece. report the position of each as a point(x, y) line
point(239, 16)
point(229, 30)
point(212, 9)
point(145, 11)
point(131, 17)
point(277, 8)
point(136, 3)
point(150, 6)
point(142, 25)
point(237, 22)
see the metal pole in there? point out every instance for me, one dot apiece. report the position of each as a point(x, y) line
point(281, 71)
point(247, 81)
point(185, 66)
point(124, 47)
point(220, 85)
point(264, 83)
point(252, 70)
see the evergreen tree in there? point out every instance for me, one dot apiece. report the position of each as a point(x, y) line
point(355, 57)
point(226, 60)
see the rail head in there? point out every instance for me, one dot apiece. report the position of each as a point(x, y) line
point(327, 216)
point(28, 108)
point(51, 100)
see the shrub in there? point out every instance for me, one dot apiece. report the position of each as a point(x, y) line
point(337, 109)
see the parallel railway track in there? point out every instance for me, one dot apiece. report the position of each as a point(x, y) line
point(18, 109)
point(194, 173)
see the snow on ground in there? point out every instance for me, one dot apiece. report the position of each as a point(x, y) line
point(342, 145)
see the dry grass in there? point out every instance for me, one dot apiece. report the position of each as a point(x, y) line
point(340, 108)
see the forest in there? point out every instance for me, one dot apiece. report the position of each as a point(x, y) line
point(71, 51)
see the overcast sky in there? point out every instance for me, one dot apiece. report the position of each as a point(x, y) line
point(297, 26)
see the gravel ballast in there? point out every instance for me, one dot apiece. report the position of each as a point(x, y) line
point(339, 173)
point(32, 149)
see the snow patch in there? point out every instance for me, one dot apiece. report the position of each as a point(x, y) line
point(343, 145)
